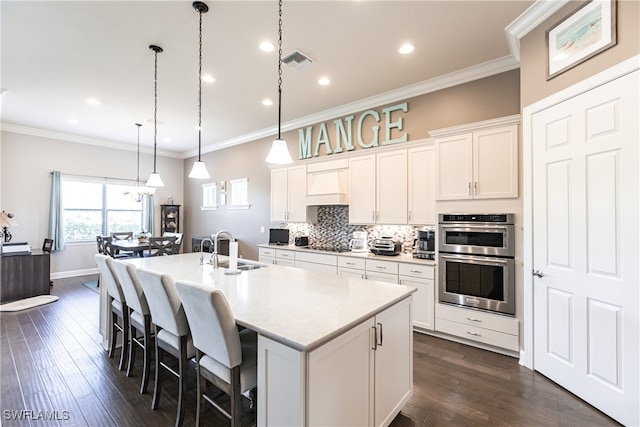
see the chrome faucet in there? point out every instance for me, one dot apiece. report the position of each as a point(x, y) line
point(214, 237)
point(201, 246)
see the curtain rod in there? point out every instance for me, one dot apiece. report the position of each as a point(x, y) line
point(106, 178)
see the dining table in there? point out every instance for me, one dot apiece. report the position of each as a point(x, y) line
point(136, 246)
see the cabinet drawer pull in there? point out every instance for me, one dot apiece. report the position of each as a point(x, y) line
point(475, 334)
point(473, 319)
point(350, 263)
point(380, 326)
point(416, 271)
point(381, 267)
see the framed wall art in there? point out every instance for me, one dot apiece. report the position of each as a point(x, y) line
point(584, 33)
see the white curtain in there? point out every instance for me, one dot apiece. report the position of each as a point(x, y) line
point(56, 227)
point(147, 214)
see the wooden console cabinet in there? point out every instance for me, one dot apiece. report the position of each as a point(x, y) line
point(24, 276)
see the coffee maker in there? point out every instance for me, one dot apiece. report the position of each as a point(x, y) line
point(359, 242)
point(424, 245)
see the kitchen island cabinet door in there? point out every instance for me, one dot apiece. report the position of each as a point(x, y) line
point(362, 190)
point(365, 376)
point(341, 380)
point(393, 361)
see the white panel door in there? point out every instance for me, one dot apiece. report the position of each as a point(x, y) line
point(585, 237)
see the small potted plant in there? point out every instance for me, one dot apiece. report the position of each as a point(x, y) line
point(143, 236)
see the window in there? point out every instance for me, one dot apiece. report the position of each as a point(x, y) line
point(239, 194)
point(209, 195)
point(92, 208)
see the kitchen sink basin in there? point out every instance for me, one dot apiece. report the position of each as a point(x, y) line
point(241, 265)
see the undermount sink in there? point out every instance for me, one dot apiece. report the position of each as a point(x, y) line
point(241, 265)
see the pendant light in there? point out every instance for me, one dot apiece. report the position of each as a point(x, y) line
point(279, 153)
point(199, 170)
point(154, 179)
point(140, 192)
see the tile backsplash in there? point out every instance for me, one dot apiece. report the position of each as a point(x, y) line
point(334, 231)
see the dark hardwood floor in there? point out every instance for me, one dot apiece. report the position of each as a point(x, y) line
point(53, 365)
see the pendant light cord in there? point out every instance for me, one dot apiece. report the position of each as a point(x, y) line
point(155, 108)
point(200, 92)
point(279, 66)
point(138, 170)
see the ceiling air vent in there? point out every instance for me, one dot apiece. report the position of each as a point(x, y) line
point(296, 60)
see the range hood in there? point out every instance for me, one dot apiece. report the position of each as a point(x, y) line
point(326, 184)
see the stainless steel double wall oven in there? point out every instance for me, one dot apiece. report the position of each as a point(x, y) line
point(476, 261)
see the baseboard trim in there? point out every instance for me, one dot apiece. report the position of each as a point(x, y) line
point(74, 273)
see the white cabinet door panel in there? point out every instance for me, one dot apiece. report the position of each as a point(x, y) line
point(391, 185)
point(495, 163)
point(454, 157)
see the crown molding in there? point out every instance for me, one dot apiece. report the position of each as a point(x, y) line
point(455, 78)
point(465, 75)
point(78, 139)
point(535, 15)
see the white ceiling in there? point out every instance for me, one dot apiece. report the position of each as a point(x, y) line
point(56, 54)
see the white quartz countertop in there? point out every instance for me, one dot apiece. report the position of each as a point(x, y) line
point(402, 257)
point(299, 308)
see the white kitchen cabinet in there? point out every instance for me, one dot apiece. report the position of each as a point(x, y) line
point(391, 187)
point(362, 189)
point(384, 271)
point(421, 180)
point(266, 255)
point(478, 164)
point(421, 277)
point(484, 327)
point(285, 257)
point(323, 263)
point(374, 365)
point(288, 194)
point(378, 188)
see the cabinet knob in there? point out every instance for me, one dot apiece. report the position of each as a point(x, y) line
point(469, 188)
point(475, 188)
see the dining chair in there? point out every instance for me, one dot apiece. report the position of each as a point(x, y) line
point(108, 249)
point(122, 235)
point(159, 246)
point(100, 243)
point(118, 306)
point(178, 243)
point(224, 357)
point(172, 333)
point(139, 318)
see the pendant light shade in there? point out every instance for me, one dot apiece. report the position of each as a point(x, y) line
point(154, 179)
point(199, 170)
point(279, 153)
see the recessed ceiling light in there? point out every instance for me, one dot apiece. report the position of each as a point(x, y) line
point(324, 81)
point(208, 78)
point(406, 48)
point(73, 121)
point(267, 102)
point(93, 101)
point(267, 46)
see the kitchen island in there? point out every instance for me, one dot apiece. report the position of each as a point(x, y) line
point(331, 350)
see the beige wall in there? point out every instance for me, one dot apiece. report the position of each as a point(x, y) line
point(533, 53)
point(488, 98)
point(26, 163)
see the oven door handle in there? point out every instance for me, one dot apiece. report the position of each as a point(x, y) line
point(478, 229)
point(473, 259)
